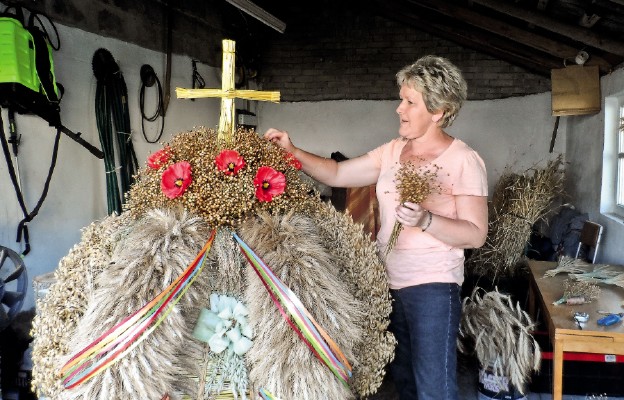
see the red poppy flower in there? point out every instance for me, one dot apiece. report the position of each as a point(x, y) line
point(229, 162)
point(176, 179)
point(292, 160)
point(158, 158)
point(269, 183)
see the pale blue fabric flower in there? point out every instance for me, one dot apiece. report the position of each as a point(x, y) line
point(224, 326)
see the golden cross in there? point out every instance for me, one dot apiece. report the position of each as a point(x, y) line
point(227, 93)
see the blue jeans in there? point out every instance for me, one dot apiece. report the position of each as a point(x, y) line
point(425, 321)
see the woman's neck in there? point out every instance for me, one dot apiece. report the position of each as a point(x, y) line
point(426, 148)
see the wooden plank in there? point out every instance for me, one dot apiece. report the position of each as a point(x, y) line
point(578, 34)
point(558, 369)
point(538, 42)
point(589, 346)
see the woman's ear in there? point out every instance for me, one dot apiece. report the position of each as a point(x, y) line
point(437, 116)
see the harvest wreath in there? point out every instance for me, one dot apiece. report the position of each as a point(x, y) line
point(226, 276)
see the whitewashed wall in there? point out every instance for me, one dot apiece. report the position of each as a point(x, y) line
point(585, 141)
point(516, 131)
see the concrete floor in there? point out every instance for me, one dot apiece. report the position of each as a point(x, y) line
point(468, 389)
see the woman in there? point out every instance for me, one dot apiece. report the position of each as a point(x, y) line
point(426, 266)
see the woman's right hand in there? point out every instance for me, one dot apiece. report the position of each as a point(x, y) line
point(280, 138)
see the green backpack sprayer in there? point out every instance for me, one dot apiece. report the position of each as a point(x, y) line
point(28, 86)
point(27, 81)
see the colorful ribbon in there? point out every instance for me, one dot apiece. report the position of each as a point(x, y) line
point(266, 395)
point(302, 322)
point(118, 341)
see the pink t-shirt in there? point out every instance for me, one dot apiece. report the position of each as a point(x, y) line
point(418, 257)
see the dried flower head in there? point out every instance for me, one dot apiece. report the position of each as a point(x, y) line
point(158, 158)
point(176, 179)
point(229, 162)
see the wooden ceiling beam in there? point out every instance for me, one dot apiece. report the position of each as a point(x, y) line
point(475, 39)
point(580, 35)
point(538, 42)
point(620, 2)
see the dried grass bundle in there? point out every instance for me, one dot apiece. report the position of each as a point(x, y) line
point(414, 184)
point(209, 374)
point(355, 257)
point(59, 312)
point(568, 265)
point(155, 250)
point(292, 247)
point(518, 202)
point(578, 292)
point(617, 280)
point(602, 273)
point(499, 333)
point(584, 271)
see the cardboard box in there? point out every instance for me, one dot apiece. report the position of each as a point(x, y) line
point(575, 90)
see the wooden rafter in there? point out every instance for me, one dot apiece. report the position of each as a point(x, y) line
point(478, 40)
point(580, 35)
point(505, 30)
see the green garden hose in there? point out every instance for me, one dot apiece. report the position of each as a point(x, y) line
point(113, 123)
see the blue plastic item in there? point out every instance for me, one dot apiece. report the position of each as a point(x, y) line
point(610, 319)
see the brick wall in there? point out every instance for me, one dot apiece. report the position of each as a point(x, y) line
point(348, 54)
point(342, 52)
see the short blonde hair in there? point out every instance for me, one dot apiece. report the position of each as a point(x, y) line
point(441, 83)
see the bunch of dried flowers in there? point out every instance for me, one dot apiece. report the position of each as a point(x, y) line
point(575, 293)
point(414, 184)
point(222, 185)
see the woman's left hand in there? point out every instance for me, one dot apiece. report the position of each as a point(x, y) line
point(411, 214)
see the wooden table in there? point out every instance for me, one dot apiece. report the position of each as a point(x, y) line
point(564, 331)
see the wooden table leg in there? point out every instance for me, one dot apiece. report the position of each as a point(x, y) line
point(558, 369)
point(531, 301)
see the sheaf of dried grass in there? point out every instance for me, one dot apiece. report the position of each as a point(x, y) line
point(360, 266)
point(499, 333)
point(518, 202)
point(291, 246)
point(59, 312)
point(155, 251)
point(568, 265)
point(205, 373)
